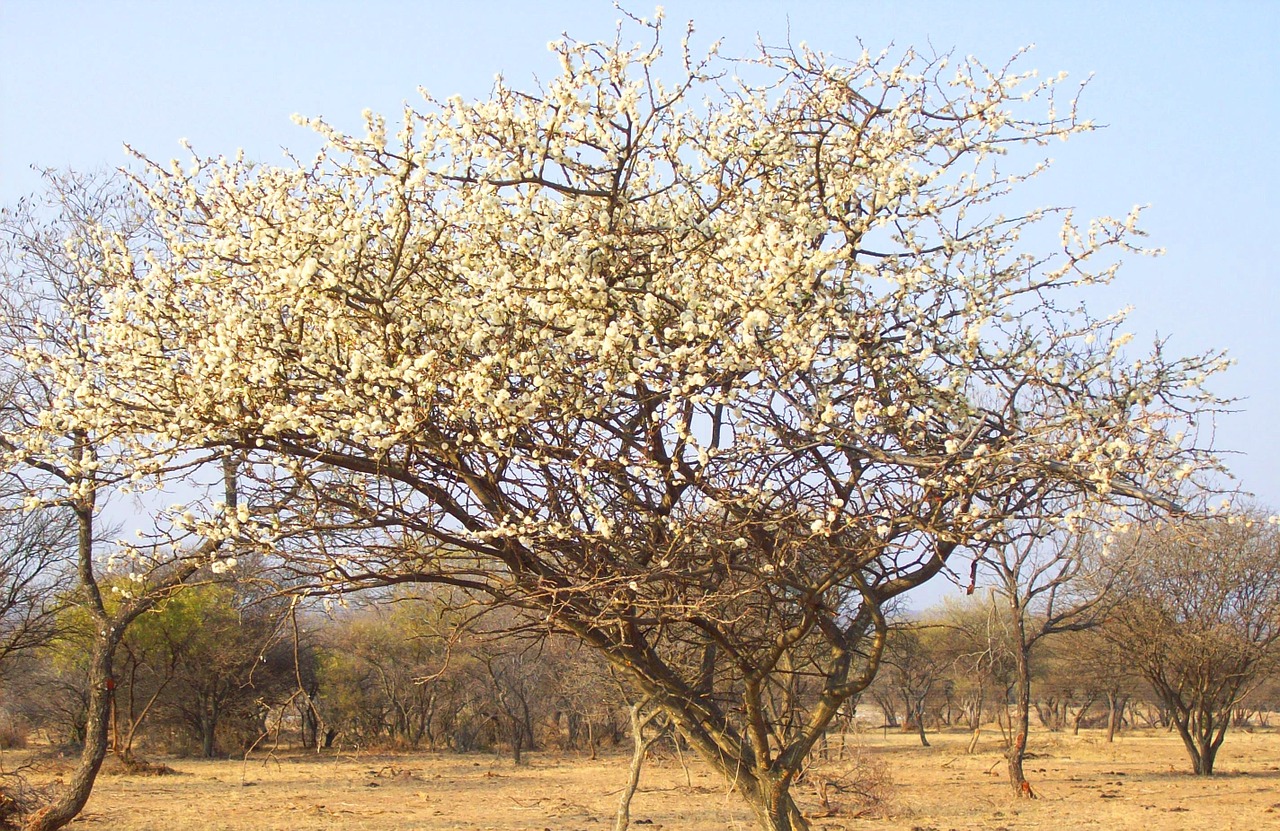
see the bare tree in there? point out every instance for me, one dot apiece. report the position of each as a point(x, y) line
point(913, 664)
point(643, 717)
point(972, 641)
point(1202, 620)
point(1050, 580)
point(223, 654)
point(1099, 670)
point(35, 571)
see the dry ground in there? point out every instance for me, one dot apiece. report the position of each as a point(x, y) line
point(1139, 782)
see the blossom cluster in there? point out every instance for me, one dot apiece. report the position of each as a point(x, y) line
point(626, 329)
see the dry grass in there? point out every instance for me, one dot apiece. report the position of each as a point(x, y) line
point(1138, 783)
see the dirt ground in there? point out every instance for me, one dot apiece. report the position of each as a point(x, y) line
point(1139, 782)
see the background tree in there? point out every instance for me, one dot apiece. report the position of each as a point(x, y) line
point(1061, 696)
point(35, 570)
point(1049, 580)
point(972, 640)
point(1260, 703)
point(1202, 620)
point(592, 707)
point(146, 663)
point(913, 664)
point(1103, 670)
point(54, 691)
point(703, 384)
point(226, 660)
point(517, 675)
point(397, 671)
point(35, 576)
point(366, 674)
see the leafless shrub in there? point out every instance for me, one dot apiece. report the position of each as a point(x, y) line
point(861, 786)
point(18, 798)
point(134, 766)
point(14, 733)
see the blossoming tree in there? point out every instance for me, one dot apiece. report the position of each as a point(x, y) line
point(703, 373)
point(65, 468)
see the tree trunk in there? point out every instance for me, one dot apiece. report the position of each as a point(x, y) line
point(208, 723)
point(1113, 715)
point(310, 725)
point(73, 796)
point(774, 808)
point(1207, 757)
point(1202, 734)
point(745, 760)
point(924, 741)
point(766, 790)
point(526, 724)
point(1079, 716)
point(1003, 720)
point(1022, 720)
point(640, 718)
point(1194, 751)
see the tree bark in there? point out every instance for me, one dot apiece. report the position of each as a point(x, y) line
point(1018, 747)
point(71, 800)
point(640, 718)
point(1115, 706)
point(773, 806)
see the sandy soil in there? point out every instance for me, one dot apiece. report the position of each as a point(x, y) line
point(1139, 782)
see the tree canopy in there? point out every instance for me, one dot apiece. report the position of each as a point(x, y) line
point(1202, 620)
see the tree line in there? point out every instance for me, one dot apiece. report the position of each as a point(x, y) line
point(217, 671)
point(1172, 627)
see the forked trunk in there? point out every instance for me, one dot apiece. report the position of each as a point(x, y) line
point(640, 718)
point(774, 808)
point(1079, 716)
point(973, 740)
point(1202, 741)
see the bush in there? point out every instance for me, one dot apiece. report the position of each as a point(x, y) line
point(18, 799)
point(858, 787)
point(13, 733)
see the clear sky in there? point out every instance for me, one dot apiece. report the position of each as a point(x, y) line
point(1190, 93)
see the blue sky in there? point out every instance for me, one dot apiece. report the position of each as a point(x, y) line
point(1190, 93)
